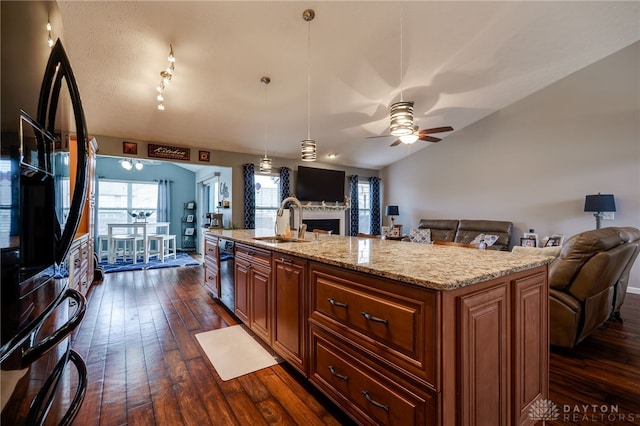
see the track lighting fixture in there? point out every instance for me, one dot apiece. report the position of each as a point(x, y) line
point(166, 75)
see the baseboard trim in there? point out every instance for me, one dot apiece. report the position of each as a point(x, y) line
point(633, 290)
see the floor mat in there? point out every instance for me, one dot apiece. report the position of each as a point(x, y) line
point(234, 352)
point(182, 259)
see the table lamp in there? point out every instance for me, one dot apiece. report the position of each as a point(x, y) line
point(392, 211)
point(599, 203)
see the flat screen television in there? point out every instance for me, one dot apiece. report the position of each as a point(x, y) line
point(320, 185)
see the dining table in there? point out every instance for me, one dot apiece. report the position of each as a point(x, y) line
point(134, 228)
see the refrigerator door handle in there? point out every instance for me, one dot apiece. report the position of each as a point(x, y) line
point(36, 351)
point(41, 405)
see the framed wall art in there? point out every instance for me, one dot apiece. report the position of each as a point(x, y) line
point(130, 148)
point(204, 156)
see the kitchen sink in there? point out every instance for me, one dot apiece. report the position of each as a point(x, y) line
point(280, 239)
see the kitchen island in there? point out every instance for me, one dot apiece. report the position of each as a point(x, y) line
point(396, 332)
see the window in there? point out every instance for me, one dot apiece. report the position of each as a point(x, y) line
point(117, 198)
point(267, 189)
point(364, 207)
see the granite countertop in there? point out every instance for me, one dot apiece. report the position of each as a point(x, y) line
point(433, 266)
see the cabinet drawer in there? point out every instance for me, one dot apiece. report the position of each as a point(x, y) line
point(369, 394)
point(254, 254)
point(211, 248)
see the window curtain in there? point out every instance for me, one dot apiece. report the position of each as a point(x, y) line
point(248, 173)
point(285, 183)
point(374, 190)
point(163, 212)
point(354, 222)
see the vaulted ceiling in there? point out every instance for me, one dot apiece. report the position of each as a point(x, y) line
point(461, 61)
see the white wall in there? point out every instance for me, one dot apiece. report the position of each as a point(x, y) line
point(533, 162)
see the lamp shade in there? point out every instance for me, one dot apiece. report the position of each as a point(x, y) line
point(599, 203)
point(391, 211)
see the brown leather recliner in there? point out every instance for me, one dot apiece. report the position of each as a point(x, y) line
point(588, 281)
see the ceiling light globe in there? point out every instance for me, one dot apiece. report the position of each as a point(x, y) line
point(160, 98)
point(126, 164)
point(139, 165)
point(409, 139)
point(161, 106)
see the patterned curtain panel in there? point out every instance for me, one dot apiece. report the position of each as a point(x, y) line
point(374, 189)
point(355, 213)
point(163, 212)
point(248, 173)
point(285, 183)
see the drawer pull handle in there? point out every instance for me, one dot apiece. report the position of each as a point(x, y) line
point(374, 319)
point(283, 260)
point(339, 376)
point(338, 304)
point(376, 403)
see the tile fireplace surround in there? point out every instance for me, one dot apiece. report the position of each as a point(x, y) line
point(323, 212)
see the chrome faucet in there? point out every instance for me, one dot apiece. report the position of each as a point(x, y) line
point(301, 228)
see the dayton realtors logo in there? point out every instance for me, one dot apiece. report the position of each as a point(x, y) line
point(546, 410)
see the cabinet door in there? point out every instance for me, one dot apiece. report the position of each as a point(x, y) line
point(260, 288)
point(289, 315)
point(242, 271)
point(483, 351)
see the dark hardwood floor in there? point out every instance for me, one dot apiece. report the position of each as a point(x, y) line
point(146, 368)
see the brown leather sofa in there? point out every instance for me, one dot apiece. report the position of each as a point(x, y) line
point(588, 281)
point(464, 231)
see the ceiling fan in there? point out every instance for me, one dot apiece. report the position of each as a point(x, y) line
point(423, 135)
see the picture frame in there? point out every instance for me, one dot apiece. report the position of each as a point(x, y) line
point(528, 242)
point(189, 218)
point(385, 231)
point(130, 148)
point(189, 231)
point(204, 156)
point(191, 205)
point(532, 235)
point(554, 241)
point(394, 232)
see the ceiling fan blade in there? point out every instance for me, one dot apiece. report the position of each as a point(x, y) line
point(429, 139)
point(435, 130)
point(380, 136)
point(397, 142)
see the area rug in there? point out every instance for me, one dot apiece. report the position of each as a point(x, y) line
point(182, 259)
point(234, 352)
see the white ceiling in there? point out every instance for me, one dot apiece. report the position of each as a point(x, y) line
point(461, 62)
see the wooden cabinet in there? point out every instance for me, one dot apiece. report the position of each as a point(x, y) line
point(289, 309)
point(212, 265)
point(495, 347)
point(253, 289)
point(80, 260)
point(393, 353)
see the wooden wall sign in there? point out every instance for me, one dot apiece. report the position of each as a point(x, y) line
point(172, 152)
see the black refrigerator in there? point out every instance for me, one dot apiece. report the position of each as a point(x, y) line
point(38, 222)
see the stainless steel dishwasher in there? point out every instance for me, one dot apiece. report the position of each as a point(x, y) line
point(227, 288)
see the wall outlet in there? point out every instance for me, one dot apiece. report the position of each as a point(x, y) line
point(608, 215)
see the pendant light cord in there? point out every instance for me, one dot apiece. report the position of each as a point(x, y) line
point(309, 81)
point(401, 24)
point(265, 120)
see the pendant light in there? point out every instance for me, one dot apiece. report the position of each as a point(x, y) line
point(402, 124)
point(265, 163)
point(308, 145)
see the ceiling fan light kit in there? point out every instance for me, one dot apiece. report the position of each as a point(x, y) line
point(167, 75)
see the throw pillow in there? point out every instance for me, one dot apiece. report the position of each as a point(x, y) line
point(488, 239)
point(540, 251)
point(420, 236)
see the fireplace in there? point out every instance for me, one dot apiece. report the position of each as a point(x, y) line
point(330, 218)
point(332, 225)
